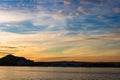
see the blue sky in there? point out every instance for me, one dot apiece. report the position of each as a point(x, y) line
point(59, 27)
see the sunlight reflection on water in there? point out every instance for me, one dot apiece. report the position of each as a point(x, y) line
point(58, 73)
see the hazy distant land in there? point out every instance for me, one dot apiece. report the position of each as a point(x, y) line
point(11, 60)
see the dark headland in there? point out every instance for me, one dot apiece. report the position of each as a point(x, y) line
point(11, 60)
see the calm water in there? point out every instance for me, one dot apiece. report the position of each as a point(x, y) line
point(58, 73)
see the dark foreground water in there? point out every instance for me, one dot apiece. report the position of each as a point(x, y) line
point(58, 73)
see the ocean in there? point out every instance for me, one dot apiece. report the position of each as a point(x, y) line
point(58, 73)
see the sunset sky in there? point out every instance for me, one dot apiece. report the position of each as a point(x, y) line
point(61, 30)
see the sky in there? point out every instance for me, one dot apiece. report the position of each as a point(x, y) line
point(61, 30)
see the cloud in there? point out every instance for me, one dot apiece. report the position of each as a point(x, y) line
point(82, 10)
point(44, 19)
point(100, 17)
point(13, 16)
point(97, 2)
point(50, 21)
point(117, 10)
point(77, 14)
point(85, 53)
point(8, 49)
point(67, 2)
point(60, 11)
point(58, 29)
point(55, 41)
point(13, 25)
point(58, 49)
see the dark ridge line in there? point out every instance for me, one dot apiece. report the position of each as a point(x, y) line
point(11, 60)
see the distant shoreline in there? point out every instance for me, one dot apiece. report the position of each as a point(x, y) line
point(11, 60)
point(60, 66)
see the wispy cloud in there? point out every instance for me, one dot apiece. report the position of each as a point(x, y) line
point(117, 9)
point(13, 16)
point(60, 28)
point(82, 10)
point(100, 17)
point(67, 3)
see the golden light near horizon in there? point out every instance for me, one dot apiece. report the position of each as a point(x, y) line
point(79, 30)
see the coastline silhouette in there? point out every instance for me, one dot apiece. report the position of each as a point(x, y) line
point(11, 60)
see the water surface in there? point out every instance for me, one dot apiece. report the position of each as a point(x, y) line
point(58, 73)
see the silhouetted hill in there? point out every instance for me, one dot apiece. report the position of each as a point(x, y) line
point(11, 60)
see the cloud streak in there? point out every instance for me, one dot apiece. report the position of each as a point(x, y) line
point(60, 28)
point(13, 16)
